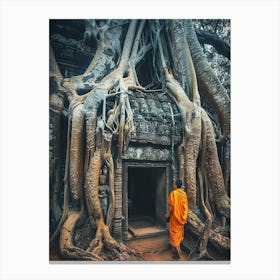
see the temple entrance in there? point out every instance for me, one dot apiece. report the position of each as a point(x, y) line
point(142, 183)
point(146, 197)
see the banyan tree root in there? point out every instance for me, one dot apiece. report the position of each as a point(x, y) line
point(104, 244)
point(214, 171)
point(192, 117)
point(192, 141)
point(190, 146)
point(210, 87)
point(226, 166)
point(197, 227)
point(221, 199)
point(76, 153)
point(98, 152)
point(103, 239)
point(190, 113)
point(66, 246)
point(207, 212)
point(215, 95)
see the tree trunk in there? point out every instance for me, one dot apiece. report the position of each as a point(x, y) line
point(210, 87)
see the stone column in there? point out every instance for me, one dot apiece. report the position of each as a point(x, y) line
point(117, 220)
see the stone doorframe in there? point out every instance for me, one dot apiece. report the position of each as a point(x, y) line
point(137, 164)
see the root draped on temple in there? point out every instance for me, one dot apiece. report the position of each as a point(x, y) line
point(95, 106)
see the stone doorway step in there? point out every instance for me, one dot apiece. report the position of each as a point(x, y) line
point(144, 226)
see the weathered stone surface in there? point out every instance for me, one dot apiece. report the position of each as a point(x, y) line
point(147, 153)
point(153, 120)
point(72, 56)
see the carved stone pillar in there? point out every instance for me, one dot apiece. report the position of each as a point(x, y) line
point(117, 220)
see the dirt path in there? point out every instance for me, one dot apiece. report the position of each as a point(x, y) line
point(155, 249)
point(152, 248)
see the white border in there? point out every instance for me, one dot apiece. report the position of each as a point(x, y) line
point(24, 138)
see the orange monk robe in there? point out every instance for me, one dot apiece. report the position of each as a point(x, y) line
point(178, 203)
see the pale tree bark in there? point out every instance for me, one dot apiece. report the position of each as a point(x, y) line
point(193, 116)
point(210, 87)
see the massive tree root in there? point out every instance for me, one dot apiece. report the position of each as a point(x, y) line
point(92, 126)
point(98, 143)
point(215, 95)
point(210, 87)
point(221, 198)
point(194, 118)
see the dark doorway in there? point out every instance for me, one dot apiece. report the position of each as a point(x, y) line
point(146, 199)
point(142, 184)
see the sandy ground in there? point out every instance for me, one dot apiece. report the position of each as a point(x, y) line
point(152, 249)
point(155, 249)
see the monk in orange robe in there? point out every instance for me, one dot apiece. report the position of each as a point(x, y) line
point(177, 215)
